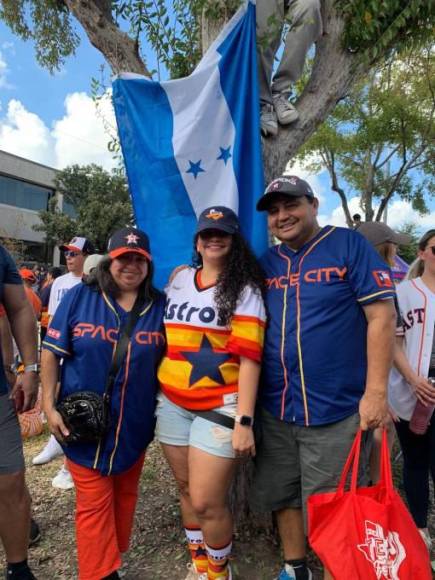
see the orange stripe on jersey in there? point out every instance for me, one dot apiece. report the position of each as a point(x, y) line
point(244, 318)
point(245, 348)
point(197, 400)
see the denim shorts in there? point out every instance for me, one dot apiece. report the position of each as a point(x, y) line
point(177, 426)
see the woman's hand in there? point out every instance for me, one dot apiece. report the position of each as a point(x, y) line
point(423, 390)
point(243, 441)
point(56, 424)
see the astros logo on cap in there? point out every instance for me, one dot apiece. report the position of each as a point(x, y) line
point(214, 215)
point(132, 239)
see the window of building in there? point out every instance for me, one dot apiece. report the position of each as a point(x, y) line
point(23, 194)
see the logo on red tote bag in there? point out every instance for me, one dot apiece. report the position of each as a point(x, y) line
point(386, 553)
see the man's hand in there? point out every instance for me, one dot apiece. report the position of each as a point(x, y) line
point(56, 425)
point(25, 392)
point(373, 410)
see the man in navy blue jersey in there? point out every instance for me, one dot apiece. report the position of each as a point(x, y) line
point(327, 354)
point(14, 497)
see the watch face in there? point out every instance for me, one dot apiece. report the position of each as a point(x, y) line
point(245, 421)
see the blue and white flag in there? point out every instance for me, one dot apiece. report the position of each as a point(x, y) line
point(195, 142)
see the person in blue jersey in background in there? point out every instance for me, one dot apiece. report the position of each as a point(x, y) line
point(84, 332)
point(327, 354)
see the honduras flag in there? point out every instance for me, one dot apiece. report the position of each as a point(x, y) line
point(192, 143)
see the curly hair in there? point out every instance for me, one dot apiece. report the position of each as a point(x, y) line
point(241, 270)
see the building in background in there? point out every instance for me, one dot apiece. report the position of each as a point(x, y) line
point(26, 188)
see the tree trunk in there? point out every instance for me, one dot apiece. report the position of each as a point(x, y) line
point(120, 51)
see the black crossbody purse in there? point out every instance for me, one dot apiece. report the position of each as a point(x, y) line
point(86, 414)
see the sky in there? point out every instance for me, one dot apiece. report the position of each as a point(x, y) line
point(52, 119)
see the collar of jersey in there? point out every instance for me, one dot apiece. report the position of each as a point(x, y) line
point(289, 252)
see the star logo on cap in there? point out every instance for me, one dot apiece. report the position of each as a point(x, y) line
point(214, 215)
point(276, 185)
point(132, 239)
point(293, 180)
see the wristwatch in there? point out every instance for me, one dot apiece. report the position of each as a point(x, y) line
point(33, 368)
point(244, 420)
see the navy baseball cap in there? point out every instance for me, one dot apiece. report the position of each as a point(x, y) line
point(284, 185)
point(220, 218)
point(78, 244)
point(129, 240)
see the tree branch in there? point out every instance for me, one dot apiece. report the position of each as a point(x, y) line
point(121, 51)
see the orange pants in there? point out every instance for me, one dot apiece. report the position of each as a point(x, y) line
point(105, 506)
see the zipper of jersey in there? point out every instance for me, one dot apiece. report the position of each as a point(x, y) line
point(298, 324)
point(282, 349)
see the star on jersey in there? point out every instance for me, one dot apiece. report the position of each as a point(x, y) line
point(132, 239)
point(206, 362)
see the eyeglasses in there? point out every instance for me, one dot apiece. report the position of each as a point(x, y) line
point(432, 248)
point(70, 254)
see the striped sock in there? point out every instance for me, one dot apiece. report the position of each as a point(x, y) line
point(218, 560)
point(196, 545)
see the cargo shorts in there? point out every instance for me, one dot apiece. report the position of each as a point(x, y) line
point(293, 462)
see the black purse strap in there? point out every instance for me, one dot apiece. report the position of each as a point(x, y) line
point(120, 352)
point(216, 417)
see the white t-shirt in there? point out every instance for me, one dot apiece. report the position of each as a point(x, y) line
point(60, 287)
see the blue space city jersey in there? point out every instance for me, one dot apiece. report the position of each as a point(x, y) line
point(84, 331)
point(314, 358)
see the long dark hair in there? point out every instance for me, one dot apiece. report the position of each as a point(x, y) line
point(241, 270)
point(101, 279)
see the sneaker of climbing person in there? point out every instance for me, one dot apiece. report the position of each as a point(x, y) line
point(268, 121)
point(285, 111)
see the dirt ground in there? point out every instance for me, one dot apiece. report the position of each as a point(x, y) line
point(158, 544)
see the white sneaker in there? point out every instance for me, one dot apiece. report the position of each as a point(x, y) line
point(285, 111)
point(268, 121)
point(63, 479)
point(192, 573)
point(424, 532)
point(51, 450)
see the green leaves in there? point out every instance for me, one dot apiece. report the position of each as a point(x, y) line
point(101, 202)
point(374, 27)
point(48, 23)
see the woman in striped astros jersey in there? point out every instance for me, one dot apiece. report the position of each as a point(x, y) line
point(214, 322)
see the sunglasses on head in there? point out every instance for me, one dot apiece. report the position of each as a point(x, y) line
point(70, 254)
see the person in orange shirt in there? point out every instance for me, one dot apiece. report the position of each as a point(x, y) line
point(29, 279)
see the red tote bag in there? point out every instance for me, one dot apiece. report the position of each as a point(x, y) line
point(367, 532)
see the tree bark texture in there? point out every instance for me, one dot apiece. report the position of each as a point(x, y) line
point(120, 50)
